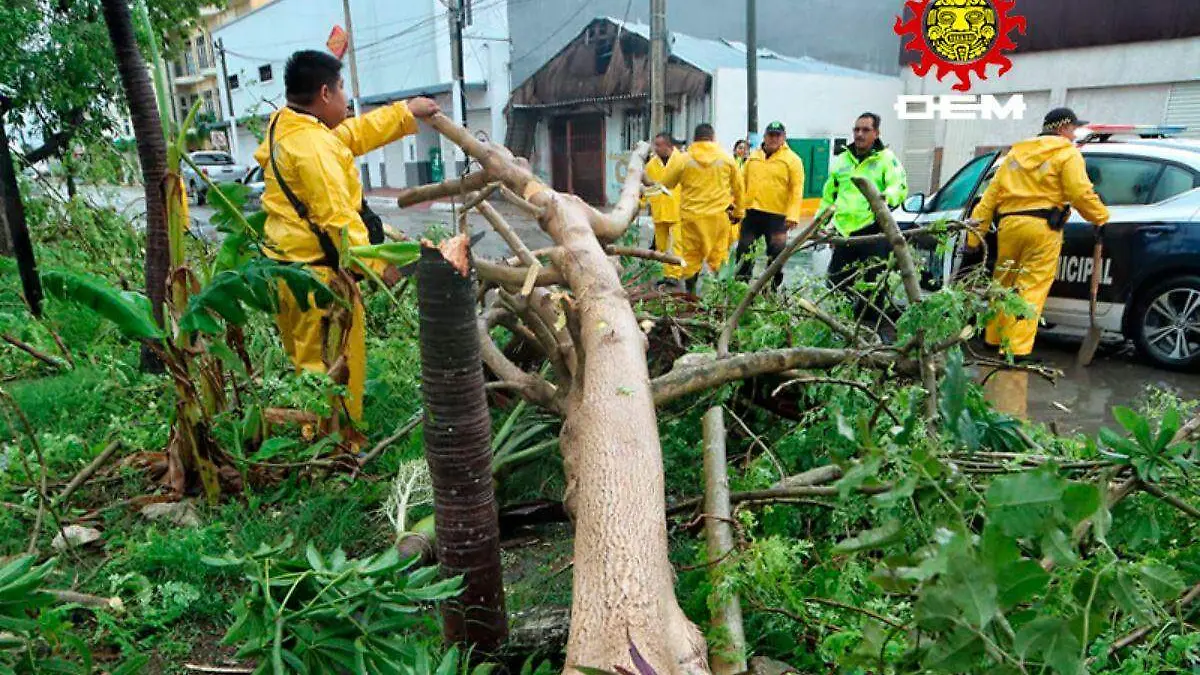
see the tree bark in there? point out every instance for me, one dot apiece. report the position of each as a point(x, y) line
point(458, 450)
point(152, 152)
point(14, 217)
point(624, 586)
point(727, 611)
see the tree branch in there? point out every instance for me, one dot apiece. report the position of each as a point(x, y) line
point(44, 358)
point(502, 228)
point(761, 282)
point(514, 277)
point(55, 142)
point(689, 380)
point(532, 387)
point(780, 495)
point(87, 472)
point(449, 188)
point(535, 212)
point(1171, 499)
point(1136, 636)
point(801, 378)
point(912, 284)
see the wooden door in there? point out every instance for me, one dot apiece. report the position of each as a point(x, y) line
point(577, 156)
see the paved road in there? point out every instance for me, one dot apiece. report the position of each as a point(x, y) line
point(1081, 402)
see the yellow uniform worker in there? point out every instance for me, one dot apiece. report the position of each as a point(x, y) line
point(312, 146)
point(1028, 199)
point(664, 208)
point(710, 184)
point(774, 193)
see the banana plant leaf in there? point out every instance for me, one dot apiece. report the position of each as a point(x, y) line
point(128, 312)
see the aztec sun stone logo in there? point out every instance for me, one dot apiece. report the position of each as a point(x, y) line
point(960, 36)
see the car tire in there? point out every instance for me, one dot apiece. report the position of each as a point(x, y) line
point(1166, 323)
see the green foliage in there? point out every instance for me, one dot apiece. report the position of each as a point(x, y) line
point(1155, 456)
point(328, 614)
point(252, 285)
point(130, 312)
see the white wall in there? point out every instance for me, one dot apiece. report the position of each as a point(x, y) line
point(400, 46)
point(1118, 84)
point(810, 106)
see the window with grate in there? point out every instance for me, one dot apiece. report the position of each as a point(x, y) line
point(264, 73)
point(636, 127)
point(233, 81)
point(203, 56)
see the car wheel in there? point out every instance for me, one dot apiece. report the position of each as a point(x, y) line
point(1166, 324)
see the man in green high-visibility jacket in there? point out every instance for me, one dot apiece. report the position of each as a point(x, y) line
point(869, 158)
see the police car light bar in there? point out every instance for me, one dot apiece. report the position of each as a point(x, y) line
point(1104, 131)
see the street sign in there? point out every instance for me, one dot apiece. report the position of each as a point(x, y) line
point(337, 41)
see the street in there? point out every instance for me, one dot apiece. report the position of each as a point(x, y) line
point(1081, 402)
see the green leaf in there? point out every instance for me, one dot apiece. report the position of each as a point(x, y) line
point(130, 317)
point(868, 540)
point(1025, 504)
point(958, 653)
point(1167, 429)
point(998, 549)
point(273, 447)
point(1162, 581)
point(252, 285)
point(1127, 595)
point(449, 663)
point(1134, 424)
point(935, 609)
point(399, 254)
point(1021, 581)
point(973, 590)
point(1123, 447)
point(1081, 501)
point(1056, 545)
point(1051, 640)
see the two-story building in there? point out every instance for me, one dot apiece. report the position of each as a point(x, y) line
point(402, 49)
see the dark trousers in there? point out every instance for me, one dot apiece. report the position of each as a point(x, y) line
point(849, 259)
point(769, 226)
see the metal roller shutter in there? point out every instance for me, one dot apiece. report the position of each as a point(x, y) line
point(1184, 107)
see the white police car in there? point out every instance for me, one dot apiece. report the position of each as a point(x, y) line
point(1150, 288)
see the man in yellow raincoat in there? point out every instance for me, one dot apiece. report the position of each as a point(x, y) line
point(774, 193)
point(1029, 200)
point(710, 185)
point(311, 146)
point(664, 207)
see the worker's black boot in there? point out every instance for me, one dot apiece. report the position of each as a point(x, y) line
point(690, 284)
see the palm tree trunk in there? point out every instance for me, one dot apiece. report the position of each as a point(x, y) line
point(12, 221)
point(458, 449)
point(152, 151)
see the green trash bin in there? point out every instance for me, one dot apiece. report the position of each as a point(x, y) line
point(437, 170)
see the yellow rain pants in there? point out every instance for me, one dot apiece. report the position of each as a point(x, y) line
point(1026, 261)
point(304, 334)
point(705, 239)
point(667, 238)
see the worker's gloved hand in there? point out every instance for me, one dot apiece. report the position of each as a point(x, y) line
point(423, 108)
point(391, 276)
point(792, 224)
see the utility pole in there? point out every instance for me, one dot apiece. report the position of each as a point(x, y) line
point(458, 94)
point(751, 71)
point(351, 51)
point(225, 77)
point(658, 65)
point(233, 142)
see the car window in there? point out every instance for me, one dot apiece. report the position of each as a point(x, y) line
point(955, 194)
point(212, 158)
point(1123, 181)
point(1175, 180)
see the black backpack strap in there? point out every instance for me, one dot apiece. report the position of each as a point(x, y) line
point(330, 251)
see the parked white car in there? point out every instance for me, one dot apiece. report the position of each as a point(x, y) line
point(219, 167)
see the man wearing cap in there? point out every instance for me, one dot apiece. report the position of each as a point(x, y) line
point(774, 191)
point(1030, 200)
point(867, 158)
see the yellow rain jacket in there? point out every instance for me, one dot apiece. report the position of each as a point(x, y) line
point(775, 184)
point(1041, 173)
point(664, 209)
point(709, 182)
point(318, 165)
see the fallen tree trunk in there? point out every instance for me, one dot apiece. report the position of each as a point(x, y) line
point(727, 610)
point(623, 581)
